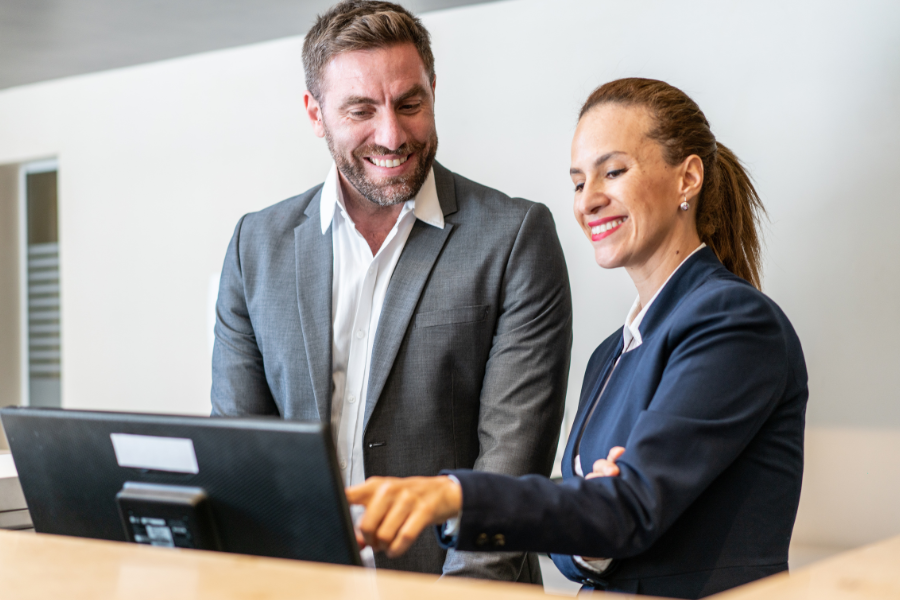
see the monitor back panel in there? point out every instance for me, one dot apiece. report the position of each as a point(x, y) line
point(274, 486)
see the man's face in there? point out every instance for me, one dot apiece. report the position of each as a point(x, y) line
point(377, 115)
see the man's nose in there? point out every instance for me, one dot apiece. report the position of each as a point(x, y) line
point(389, 131)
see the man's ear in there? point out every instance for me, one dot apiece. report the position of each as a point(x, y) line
point(314, 112)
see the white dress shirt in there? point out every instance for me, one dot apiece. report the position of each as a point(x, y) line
point(360, 282)
point(631, 339)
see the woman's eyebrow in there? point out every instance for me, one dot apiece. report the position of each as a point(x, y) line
point(598, 162)
point(606, 157)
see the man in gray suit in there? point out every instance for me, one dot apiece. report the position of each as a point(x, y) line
point(427, 317)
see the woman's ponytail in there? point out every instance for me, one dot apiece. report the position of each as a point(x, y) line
point(729, 214)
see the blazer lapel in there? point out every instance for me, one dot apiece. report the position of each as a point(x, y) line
point(416, 262)
point(314, 254)
point(584, 409)
point(691, 274)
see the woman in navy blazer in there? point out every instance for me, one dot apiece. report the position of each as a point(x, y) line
point(705, 387)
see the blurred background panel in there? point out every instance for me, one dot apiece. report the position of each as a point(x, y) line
point(42, 290)
point(49, 39)
point(158, 158)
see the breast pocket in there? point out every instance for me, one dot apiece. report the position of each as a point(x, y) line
point(451, 316)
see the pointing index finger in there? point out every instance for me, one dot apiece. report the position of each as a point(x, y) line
point(362, 493)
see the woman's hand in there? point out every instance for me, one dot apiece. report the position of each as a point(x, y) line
point(606, 467)
point(398, 509)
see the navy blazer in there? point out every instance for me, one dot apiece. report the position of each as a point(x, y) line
point(711, 410)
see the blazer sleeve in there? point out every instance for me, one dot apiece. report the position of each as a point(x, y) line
point(239, 384)
point(726, 373)
point(524, 387)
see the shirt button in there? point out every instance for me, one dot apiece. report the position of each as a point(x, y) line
point(343, 464)
point(481, 540)
point(360, 334)
point(351, 399)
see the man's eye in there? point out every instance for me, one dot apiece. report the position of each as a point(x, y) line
point(579, 187)
point(409, 107)
point(614, 174)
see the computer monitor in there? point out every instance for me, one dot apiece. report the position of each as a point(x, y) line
point(248, 485)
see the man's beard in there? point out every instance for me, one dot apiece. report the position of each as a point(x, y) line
point(393, 190)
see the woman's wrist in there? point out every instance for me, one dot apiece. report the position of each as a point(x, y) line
point(452, 498)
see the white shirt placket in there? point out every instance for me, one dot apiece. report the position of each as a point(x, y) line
point(357, 371)
point(359, 286)
point(365, 322)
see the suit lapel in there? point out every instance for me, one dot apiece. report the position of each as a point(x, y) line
point(692, 273)
point(585, 406)
point(410, 275)
point(314, 255)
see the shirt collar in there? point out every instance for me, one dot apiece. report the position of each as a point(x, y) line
point(426, 205)
point(631, 333)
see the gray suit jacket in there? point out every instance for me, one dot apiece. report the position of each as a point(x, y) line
point(471, 355)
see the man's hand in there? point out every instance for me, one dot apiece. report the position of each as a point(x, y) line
point(398, 509)
point(606, 467)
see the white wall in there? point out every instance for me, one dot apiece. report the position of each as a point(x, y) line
point(158, 162)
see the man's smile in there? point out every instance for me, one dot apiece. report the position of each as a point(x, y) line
point(387, 162)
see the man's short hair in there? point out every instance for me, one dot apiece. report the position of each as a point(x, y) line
point(361, 25)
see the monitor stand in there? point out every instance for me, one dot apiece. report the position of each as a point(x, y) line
point(172, 516)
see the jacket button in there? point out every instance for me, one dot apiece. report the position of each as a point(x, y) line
point(481, 540)
point(499, 540)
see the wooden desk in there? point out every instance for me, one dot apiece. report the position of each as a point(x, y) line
point(867, 573)
point(36, 566)
point(39, 567)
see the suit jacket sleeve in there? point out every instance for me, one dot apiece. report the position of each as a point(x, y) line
point(239, 384)
point(726, 373)
point(524, 388)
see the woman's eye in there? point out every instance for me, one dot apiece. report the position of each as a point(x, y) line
point(614, 174)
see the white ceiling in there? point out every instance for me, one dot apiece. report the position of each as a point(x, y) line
point(49, 39)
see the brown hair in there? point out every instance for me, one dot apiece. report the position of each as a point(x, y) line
point(361, 25)
point(729, 210)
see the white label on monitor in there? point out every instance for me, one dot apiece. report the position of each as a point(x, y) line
point(156, 453)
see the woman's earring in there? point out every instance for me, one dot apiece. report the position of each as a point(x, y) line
point(685, 205)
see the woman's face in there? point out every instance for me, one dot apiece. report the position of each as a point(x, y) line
point(626, 196)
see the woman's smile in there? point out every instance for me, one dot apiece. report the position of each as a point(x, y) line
point(603, 228)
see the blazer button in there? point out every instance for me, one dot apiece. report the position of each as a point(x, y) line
point(499, 540)
point(481, 540)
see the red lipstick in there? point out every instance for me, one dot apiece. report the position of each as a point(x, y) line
point(617, 222)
